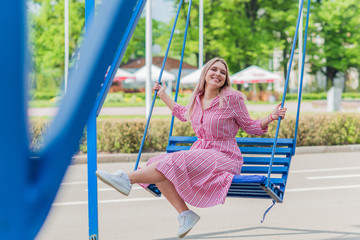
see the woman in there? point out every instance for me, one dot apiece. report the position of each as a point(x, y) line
point(202, 175)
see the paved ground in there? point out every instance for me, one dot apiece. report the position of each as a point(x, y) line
point(315, 106)
point(321, 202)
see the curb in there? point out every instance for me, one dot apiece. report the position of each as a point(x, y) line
point(131, 157)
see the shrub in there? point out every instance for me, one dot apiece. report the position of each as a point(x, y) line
point(43, 95)
point(118, 135)
point(320, 96)
point(114, 98)
point(36, 132)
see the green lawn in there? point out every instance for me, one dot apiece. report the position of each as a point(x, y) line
point(141, 103)
point(138, 99)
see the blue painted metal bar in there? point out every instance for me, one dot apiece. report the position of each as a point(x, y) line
point(261, 169)
point(180, 66)
point(244, 150)
point(91, 125)
point(62, 138)
point(89, 13)
point(92, 180)
point(159, 80)
point(285, 89)
point(302, 76)
point(91, 145)
point(14, 141)
point(239, 140)
point(266, 160)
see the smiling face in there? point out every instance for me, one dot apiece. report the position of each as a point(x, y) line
point(216, 76)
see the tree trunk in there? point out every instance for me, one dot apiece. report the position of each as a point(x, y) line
point(330, 75)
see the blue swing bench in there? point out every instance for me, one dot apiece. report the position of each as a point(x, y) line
point(252, 183)
point(266, 160)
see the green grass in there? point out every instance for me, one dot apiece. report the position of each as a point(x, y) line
point(42, 103)
point(138, 100)
point(133, 116)
point(158, 103)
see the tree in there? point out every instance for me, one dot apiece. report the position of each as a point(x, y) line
point(280, 19)
point(243, 32)
point(335, 36)
point(47, 37)
point(136, 47)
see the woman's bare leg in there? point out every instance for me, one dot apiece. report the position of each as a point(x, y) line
point(150, 175)
point(168, 190)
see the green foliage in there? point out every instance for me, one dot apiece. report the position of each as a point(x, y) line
point(43, 95)
point(36, 131)
point(136, 47)
point(114, 98)
point(334, 37)
point(320, 96)
point(242, 32)
point(118, 135)
point(47, 37)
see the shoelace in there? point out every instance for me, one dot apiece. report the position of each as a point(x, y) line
point(182, 220)
point(117, 175)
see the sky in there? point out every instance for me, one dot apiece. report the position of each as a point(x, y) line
point(162, 10)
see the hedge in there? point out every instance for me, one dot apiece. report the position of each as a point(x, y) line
point(321, 96)
point(119, 135)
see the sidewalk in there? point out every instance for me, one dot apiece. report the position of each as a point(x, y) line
point(131, 157)
point(314, 106)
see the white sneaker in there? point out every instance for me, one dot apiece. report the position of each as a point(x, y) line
point(118, 180)
point(187, 220)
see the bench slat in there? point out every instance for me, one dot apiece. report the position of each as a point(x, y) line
point(263, 170)
point(244, 150)
point(266, 161)
point(240, 141)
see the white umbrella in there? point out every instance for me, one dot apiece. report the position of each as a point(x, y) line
point(122, 75)
point(254, 74)
point(192, 78)
point(140, 74)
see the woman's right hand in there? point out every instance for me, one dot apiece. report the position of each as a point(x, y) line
point(159, 87)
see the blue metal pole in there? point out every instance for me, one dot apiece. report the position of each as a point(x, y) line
point(180, 67)
point(302, 76)
point(92, 180)
point(62, 137)
point(284, 94)
point(159, 80)
point(91, 147)
point(14, 142)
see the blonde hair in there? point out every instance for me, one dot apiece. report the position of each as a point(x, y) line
point(200, 86)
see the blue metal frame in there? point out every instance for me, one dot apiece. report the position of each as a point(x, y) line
point(30, 180)
point(91, 145)
point(14, 140)
point(268, 187)
point(180, 66)
point(91, 124)
point(159, 81)
point(302, 76)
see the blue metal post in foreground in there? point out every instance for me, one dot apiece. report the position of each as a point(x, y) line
point(91, 146)
point(31, 179)
point(129, 25)
point(14, 142)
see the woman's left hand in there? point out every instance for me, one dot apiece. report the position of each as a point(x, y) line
point(278, 112)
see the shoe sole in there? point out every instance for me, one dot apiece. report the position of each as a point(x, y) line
point(109, 182)
point(192, 225)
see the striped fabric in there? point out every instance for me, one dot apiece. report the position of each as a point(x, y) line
point(202, 175)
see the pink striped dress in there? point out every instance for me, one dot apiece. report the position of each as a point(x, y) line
point(202, 175)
